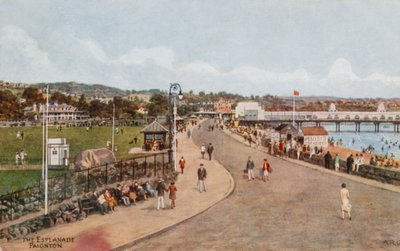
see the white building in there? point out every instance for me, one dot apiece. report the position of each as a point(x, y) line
point(249, 111)
point(315, 136)
point(61, 113)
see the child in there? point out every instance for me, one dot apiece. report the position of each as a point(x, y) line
point(172, 194)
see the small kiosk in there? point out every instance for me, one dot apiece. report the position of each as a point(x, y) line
point(155, 136)
point(58, 153)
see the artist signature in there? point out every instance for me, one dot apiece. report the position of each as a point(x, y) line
point(392, 243)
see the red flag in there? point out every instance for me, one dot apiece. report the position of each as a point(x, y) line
point(296, 93)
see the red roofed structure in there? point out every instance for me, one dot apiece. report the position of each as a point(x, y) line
point(315, 136)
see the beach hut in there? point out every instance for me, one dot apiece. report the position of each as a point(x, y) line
point(315, 136)
point(155, 136)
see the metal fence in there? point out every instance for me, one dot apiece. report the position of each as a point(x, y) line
point(16, 204)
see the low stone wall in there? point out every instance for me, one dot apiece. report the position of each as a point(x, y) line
point(66, 212)
point(383, 175)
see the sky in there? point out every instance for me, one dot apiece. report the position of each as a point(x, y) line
point(250, 47)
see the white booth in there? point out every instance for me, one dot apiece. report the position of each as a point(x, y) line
point(58, 152)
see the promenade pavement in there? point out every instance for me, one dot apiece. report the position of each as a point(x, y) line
point(129, 225)
point(297, 209)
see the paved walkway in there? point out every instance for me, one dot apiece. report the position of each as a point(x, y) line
point(129, 225)
point(298, 209)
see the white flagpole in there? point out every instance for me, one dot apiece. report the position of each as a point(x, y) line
point(294, 108)
point(46, 187)
point(43, 139)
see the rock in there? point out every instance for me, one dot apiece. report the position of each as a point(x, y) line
point(20, 208)
point(59, 221)
point(23, 230)
point(14, 232)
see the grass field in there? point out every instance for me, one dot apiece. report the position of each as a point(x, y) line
point(77, 138)
point(14, 180)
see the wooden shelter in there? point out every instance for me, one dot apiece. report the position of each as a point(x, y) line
point(287, 132)
point(155, 136)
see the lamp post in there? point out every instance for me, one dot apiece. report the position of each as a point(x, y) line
point(174, 90)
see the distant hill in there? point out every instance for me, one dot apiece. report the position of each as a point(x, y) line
point(73, 88)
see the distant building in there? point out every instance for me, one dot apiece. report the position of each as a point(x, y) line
point(139, 97)
point(249, 111)
point(57, 112)
point(142, 109)
point(315, 136)
point(223, 106)
point(102, 99)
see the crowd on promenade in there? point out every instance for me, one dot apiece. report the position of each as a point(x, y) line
point(254, 138)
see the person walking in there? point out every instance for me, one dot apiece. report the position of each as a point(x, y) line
point(337, 163)
point(172, 194)
point(201, 175)
point(328, 160)
point(349, 163)
point(188, 133)
point(161, 188)
point(202, 150)
point(182, 164)
point(345, 196)
point(210, 150)
point(266, 168)
point(250, 168)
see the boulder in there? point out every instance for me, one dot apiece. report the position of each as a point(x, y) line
point(94, 157)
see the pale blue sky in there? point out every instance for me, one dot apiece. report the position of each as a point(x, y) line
point(340, 48)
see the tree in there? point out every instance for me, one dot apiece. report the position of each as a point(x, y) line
point(9, 106)
point(97, 109)
point(59, 98)
point(158, 105)
point(32, 96)
point(82, 105)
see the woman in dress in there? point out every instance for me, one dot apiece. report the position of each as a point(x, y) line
point(110, 200)
point(172, 194)
point(345, 196)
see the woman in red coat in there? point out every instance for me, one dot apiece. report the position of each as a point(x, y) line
point(172, 194)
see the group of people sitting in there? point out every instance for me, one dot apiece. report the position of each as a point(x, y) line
point(122, 194)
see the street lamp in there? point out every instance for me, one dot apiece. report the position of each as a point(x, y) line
point(173, 92)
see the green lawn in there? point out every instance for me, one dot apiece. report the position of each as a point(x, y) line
point(77, 138)
point(14, 180)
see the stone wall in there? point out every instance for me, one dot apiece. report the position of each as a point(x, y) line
point(69, 211)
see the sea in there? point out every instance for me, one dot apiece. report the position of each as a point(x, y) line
point(384, 142)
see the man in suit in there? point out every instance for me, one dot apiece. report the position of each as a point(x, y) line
point(349, 163)
point(210, 150)
point(202, 175)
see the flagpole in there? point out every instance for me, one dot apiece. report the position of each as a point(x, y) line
point(43, 138)
point(294, 107)
point(46, 183)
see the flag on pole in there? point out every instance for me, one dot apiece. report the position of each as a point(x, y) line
point(296, 93)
